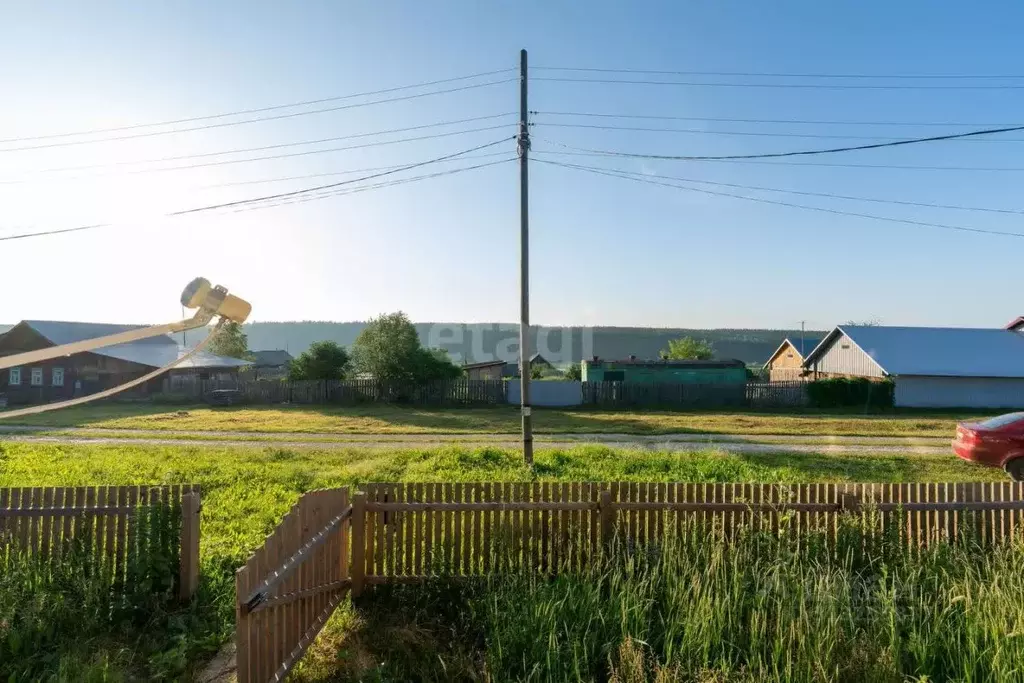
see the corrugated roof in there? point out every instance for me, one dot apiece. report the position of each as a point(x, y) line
point(938, 351)
point(809, 343)
point(271, 358)
point(155, 351)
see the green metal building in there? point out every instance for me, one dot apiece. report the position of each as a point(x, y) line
point(665, 371)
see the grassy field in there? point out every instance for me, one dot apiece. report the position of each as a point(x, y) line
point(248, 490)
point(381, 419)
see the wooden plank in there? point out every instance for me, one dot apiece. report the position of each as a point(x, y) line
point(547, 552)
point(37, 502)
point(371, 533)
point(458, 524)
point(5, 501)
point(242, 635)
point(47, 522)
point(401, 519)
point(449, 530)
point(358, 567)
point(486, 532)
point(409, 524)
point(429, 535)
point(475, 565)
point(536, 534)
point(575, 528)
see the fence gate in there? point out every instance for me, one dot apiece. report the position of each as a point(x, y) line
point(290, 586)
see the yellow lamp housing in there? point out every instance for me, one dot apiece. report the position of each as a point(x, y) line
point(215, 300)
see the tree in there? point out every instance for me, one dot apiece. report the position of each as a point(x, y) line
point(870, 322)
point(574, 372)
point(688, 348)
point(230, 341)
point(322, 360)
point(389, 349)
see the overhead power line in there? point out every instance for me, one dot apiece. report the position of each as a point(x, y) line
point(826, 195)
point(802, 86)
point(308, 176)
point(374, 186)
point(317, 188)
point(257, 110)
point(301, 143)
point(617, 174)
point(228, 162)
point(814, 164)
point(776, 74)
point(657, 117)
point(805, 152)
point(260, 119)
point(268, 200)
point(698, 131)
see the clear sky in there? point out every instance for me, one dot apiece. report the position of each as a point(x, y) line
point(605, 250)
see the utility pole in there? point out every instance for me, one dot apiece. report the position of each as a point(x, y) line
point(524, 264)
point(802, 352)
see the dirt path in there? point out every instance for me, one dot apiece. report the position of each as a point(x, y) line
point(225, 436)
point(661, 443)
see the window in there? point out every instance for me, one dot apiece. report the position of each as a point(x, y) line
point(14, 377)
point(58, 377)
point(37, 377)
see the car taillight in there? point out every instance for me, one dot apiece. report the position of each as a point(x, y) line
point(967, 435)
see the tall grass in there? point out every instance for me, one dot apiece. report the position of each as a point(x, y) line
point(692, 608)
point(71, 616)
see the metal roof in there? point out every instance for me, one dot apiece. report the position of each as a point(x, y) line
point(936, 351)
point(271, 358)
point(155, 351)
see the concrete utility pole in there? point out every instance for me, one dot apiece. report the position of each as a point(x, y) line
point(802, 352)
point(524, 264)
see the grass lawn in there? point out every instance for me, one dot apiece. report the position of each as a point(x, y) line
point(382, 419)
point(248, 490)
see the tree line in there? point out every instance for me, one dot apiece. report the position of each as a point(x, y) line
point(389, 349)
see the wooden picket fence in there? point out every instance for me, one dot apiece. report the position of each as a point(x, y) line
point(115, 527)
point(330, 545)
point(460, 392)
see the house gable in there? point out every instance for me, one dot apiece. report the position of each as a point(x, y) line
point(839, 354)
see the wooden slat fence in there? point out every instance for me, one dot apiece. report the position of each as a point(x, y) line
point(463, 392)
point(326, 547)
point(112, 528)
point(777, 394)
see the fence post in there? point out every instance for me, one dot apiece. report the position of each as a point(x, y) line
point(358, 565)
point(188, 572)
point(607, 517)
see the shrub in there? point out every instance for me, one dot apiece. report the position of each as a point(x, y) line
point(842, 392)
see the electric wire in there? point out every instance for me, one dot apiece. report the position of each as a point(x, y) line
point(944, 226)
point(265, 200)
point(800, 86)
point(276, 117)
point(662, 117)
point(258, 109)
point(769, 74)
point(804, 152)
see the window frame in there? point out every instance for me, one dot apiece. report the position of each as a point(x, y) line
point(11, 373)
point(36, 372)
point(54, 372)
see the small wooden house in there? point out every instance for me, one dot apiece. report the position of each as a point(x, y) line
point(786, 363)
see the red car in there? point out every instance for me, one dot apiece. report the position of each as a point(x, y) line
point(996, 442)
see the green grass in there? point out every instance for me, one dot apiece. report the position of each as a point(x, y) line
point(692, 608)
point(383, 419)
point(246, 491)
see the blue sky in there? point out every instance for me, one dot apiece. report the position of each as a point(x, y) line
point(605, 251)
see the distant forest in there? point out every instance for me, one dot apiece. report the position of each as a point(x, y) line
point(469, 343)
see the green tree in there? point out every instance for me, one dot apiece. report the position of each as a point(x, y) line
point(389, 349)
point(688, 348)
point(322, 360)
point(574, 372)
point(230, 341)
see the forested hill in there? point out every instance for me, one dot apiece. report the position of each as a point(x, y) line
point(487, 341)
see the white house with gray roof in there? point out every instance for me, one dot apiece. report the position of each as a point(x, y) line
point(932, 367)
